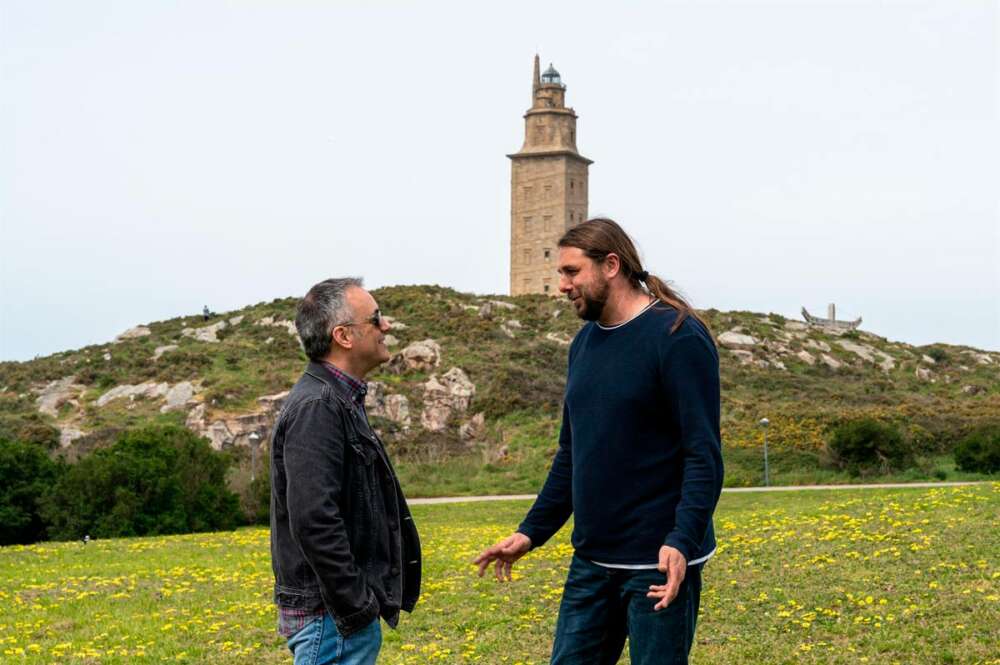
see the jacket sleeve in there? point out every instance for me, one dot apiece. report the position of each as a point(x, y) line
point(690, 367)
point(314, 466)
point(554, 504)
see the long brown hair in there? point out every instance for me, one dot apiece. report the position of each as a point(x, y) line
point(600, 236)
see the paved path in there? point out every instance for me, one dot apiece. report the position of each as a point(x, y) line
point(784, 488)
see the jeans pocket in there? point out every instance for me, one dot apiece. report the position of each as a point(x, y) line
point(362, 647)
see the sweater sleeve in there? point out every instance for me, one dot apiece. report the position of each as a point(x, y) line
point(690, 368)
point(554, 504)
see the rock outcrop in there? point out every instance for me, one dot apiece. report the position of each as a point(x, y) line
point(869, 353)
point(69, 434)
point(56, 393)
point(732, 339)
point(745, 357)
point(421, 356)
point(133, 333)
point(289, 326)
point(819, 345)
point(562, 339)
point(830, 361)
point(160, 350)
point(382, 404)
point(147, 390)
point(178, 397)
point(473, 429)
point(206, 333)
point(241, 430)
point(444, 397)
point(509, 326)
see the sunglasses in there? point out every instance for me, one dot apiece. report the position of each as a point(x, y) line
point(375, 319)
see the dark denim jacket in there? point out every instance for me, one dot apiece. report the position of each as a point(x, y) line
point(341, 533)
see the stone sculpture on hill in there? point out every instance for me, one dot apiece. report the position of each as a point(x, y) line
point(830, 323)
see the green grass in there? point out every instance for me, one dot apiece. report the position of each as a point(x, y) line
point(878, 576)
point(529, 440)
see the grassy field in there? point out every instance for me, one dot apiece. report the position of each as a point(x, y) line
point(879, 576)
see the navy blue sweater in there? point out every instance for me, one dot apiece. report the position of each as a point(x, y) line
point(639, 462)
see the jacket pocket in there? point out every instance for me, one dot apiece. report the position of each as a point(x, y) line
point(298, 598)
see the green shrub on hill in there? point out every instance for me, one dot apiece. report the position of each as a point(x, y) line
point(154, 480)
point(938, 355)
point(867, 445)
point(25, 474)
point(980, 451)
point(29, 428)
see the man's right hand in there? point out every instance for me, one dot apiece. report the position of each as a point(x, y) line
point(504, 553)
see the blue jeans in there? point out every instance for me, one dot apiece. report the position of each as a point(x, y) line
point(602, 606)
point(319, 643)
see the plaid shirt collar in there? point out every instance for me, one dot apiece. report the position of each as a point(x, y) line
point(357, 389)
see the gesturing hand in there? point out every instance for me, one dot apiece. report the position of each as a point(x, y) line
point(504, 553)
point(673, 563)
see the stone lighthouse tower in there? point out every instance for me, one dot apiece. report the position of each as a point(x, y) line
point(548, 186)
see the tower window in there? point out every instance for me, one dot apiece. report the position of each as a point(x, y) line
point(546, 288)
point(527, 255)
point(527, 225)
point(527, 192)
point(547, 253)
point(547, 223)
point(571, 184)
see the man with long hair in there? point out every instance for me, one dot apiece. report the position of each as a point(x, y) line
point(639, 463)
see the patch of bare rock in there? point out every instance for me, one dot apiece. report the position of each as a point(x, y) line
point(445, 396)
point(208, 334)
point(166, 348)
point(250, 429)
point(734, 340)
point(869, 353)
point(289, 326)
point(133, 333)
point(562, 339)
point(56, 393)
point(509, 326)
point(147, 390)
point(422, 356)
point(382, 404)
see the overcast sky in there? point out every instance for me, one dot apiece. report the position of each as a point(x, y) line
point(159, 156)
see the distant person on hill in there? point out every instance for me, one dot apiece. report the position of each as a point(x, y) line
point(344, 548)
point(639, 462)
point(205, 313)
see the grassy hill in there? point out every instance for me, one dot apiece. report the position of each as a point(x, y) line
point(513, 349)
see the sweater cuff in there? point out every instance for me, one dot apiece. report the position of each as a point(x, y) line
point(681, 544)
point(536, 536)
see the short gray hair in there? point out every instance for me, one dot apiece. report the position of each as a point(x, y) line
point(323, 308)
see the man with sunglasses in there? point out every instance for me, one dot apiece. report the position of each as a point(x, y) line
point(344, 548)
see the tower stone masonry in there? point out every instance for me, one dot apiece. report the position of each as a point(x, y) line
point(548, 186)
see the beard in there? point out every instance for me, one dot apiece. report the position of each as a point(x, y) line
point(593, 302)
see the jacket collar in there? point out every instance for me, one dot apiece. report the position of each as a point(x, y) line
point(320, 371)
